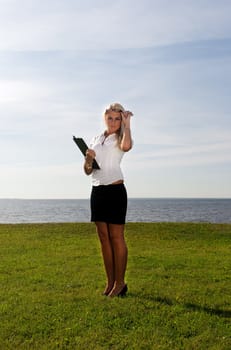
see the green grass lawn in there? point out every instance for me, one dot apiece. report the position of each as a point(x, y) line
point(178, 276)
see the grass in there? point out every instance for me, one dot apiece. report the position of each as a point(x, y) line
point(51, 279)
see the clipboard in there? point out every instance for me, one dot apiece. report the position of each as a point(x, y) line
point(83, 148)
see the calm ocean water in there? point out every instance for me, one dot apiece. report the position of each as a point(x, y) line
point(139, 210)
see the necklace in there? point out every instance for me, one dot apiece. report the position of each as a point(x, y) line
point(105, 136)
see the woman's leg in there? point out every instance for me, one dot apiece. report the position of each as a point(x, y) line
point(108, 255)
point(120, 252)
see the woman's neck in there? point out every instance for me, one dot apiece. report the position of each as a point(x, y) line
point(107, 133)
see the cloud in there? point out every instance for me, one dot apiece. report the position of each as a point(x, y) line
point(60, 62)
point(156, 157)
point(51, 25)
point(50, 181)
point(14, 91)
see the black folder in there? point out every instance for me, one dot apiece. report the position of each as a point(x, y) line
point(83, 148)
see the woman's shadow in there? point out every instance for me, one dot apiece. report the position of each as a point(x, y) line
point(190, 306)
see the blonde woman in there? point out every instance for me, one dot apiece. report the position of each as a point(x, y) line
point(109, 196)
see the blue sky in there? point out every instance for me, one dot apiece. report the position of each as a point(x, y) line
point(62, 63)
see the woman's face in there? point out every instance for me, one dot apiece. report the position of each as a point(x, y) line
point(113, 121)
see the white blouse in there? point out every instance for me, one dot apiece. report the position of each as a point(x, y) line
point(108, 156)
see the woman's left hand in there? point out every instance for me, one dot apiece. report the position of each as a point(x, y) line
point(126, 116)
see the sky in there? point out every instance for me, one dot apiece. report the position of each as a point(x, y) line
point(63, 62)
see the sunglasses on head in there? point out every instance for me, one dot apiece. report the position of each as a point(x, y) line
point(116, 110)
point(113, 110)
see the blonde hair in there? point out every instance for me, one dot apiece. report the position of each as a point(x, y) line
point(116, 107)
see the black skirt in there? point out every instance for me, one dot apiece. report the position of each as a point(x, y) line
point(109, 204)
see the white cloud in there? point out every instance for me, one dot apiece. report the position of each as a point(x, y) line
point(180, 156)
point(26, 181)
point(14, 91)
point(179, 93)
point(49, 25)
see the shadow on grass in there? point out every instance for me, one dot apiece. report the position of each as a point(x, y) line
point(190, 306)
point(211, 311)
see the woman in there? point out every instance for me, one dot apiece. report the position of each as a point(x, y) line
point(108, 196)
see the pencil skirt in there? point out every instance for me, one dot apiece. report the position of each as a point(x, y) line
point(109, 204)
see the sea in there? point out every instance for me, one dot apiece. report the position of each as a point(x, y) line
point(139, 210)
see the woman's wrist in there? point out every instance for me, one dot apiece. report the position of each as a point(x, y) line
point(88, 165)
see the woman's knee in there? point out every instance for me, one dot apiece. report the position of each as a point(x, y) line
point(117, 234)
point(116, 231)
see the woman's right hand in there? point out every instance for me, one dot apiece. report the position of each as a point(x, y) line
point(90, 155)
